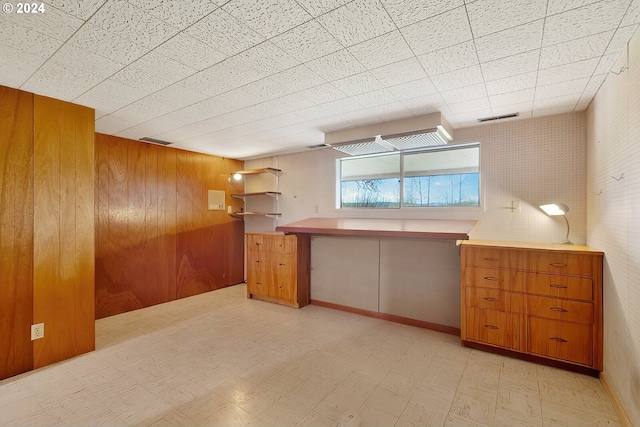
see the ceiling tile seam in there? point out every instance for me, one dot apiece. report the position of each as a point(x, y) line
point(535, 86)
point(475, 49)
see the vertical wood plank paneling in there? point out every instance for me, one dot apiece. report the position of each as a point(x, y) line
point(46, 233)
point(63, 278)
point(171, 246)
point(16, 231)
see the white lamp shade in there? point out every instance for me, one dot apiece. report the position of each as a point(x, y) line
point(555, 209)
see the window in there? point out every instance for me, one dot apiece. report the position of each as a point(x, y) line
point(437, 177)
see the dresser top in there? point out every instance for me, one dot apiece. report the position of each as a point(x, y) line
point(530, 245)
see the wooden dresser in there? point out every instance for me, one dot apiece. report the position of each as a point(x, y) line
point(278, 268)
point(543, 300)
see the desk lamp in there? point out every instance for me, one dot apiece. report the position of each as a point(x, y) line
point(555, 209)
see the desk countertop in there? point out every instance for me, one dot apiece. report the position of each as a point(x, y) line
point(415, 228)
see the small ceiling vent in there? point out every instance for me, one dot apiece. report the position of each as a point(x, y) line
point(317, 146)
point(506, 116)
point(155, 141)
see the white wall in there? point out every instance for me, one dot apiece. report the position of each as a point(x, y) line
point(533, 161)
point(613, 202)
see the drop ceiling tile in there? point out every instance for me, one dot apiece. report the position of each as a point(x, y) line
point(399, 72)
point(109, 96)
point(475, 105)
point(264, 90)
point(268, 17)
point(323, 93)
point(224, 33)
point(160, 103)
point(179, 14)
point(470, 118)
point(594, 84)
point(307, 41)
point(605, 64)
point(523, 109)
point(336, 65)
point(53, 23)
point(393, 111)
point(556, 102)
point(281, 105)
point(621, 38)
point(510, 42)
point(298, 78)
point(314, 113)
point(236, 98)
point(133, 23)
point(407, 12)
point(451, 58)
point(575, 50)
point(317, 8)
point(511, 65)
point(184, 133)
point(570, 87)
point(459, 78)
point(342, 106)
point(268, 58)
point(425, 104)
point(413, 89)
point(139, 78)
point(467, 93)
point(357, 21)
point(108, 44)
point(25, 65)
point(558, 6)
point(358, 83)
point(491, 16)
point(431, 35)
point(633, 14)
point(39, 45)
point(375, 98)
point(112, 124)
point(567, 72)
point(382, 50)
point(162, 66)
point(511, 84)
point(82, 9)
point(512, 98)
point(584, 21)
point(82, 60)
point(229, 74)
point(69, 82)
point(189, 51)
point(14, 75)
point(542, 112)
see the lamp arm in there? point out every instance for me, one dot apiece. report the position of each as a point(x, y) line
point(567, 221)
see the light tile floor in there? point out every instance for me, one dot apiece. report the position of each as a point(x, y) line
point(219, 359)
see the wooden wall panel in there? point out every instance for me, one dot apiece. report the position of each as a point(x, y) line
point(16, 231)
point(165, 244)
point(63, 279)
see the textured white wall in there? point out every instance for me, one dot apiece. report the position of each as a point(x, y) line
point(613, 220)
point(533, 161)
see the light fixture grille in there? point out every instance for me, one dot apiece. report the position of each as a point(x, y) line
point(409, 142)
point(362, 148)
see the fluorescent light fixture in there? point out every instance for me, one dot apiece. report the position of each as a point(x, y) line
point(555, 209)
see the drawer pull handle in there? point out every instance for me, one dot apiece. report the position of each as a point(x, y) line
point(557, 286)
point(558, 309)
point(491, 326)
point(258, 262)
point(281, 287)
point(490, 278)
point(489, 259)
point(556, 339)
point(282, 264)
point(491, 299)
point(557, 264)
point(258, 283)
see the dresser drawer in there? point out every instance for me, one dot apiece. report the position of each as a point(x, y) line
point(285, 244)
point(560, 263)
point(572, 342)
point(560, 286)
point(492, 327)
point(484, 278)
point(559, 309)
point(492, 299)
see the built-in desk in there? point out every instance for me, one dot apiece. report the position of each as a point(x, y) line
point(404, 270)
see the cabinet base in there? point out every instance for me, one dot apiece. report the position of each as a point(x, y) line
point(535, 359)
point(275, 300)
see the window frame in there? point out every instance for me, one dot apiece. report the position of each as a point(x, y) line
point(402, 206)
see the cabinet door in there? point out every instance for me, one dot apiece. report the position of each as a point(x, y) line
point(493, 327)
point(256, 266)
point(285, 276)
point(561, 340)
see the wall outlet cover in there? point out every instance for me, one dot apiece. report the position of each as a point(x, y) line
point(37, 331)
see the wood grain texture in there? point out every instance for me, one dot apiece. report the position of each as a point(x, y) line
point(156, 240)
point(63, 279)
point(16, 231)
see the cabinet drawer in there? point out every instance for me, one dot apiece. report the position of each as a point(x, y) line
point(560, 340)
point(560, 263)
point(255, 242)
point(492, 299)
point(559, 309)
point(492, 257)
point(560, 286)
point(285, 244)
point(492, 327)
point(484, 278)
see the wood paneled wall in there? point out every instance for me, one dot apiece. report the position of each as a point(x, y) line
point(46, 230)
point(63, 276)
point(156, 241)
point(16, 231)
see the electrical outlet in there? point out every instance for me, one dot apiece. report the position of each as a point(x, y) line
point(37, 331)
point(229, 209)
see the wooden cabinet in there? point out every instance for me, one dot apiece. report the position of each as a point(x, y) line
point(278, 268)
point(543, 300)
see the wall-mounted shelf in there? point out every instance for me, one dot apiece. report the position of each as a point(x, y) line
point(259, 193)
point(241, 215)
point(257, 171)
